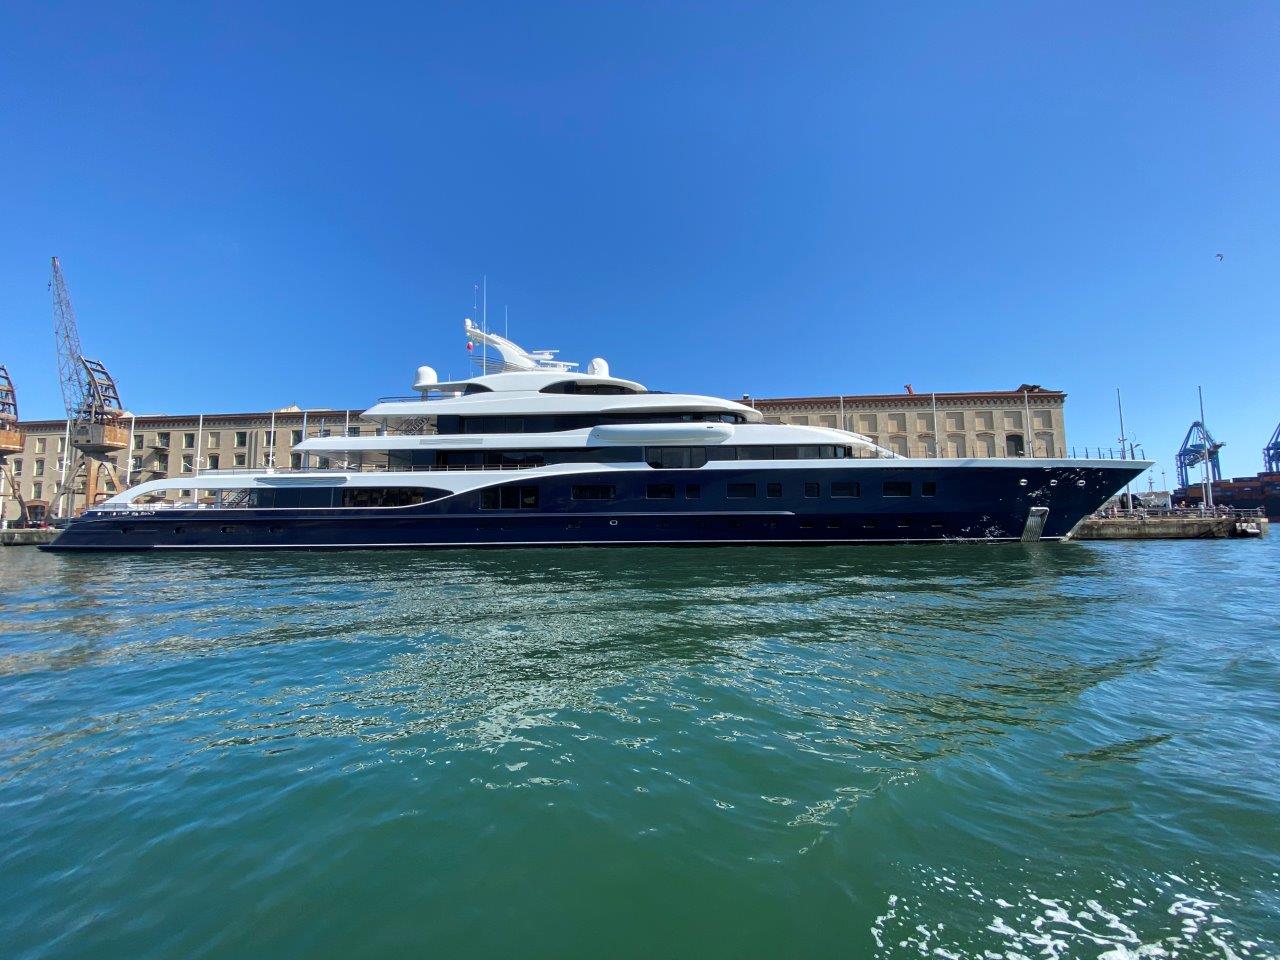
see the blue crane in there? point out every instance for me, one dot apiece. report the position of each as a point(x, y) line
point(1198, 447)
point(1271, 453)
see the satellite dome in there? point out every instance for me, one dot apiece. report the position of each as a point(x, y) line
point(598, 367)
point(425, 380)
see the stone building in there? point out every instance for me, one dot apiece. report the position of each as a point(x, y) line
point(1027, 421)
point(995, 423)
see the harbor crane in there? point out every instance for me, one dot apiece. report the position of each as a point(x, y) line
point(1197, 448)
point(93, 407)
point(11, 440)
point(1271, 453)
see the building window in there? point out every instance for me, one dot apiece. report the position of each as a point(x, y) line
point(812, 488)
point(827, 420)
point(1013, 419)
point(986, 445)
point(984, 420)
point(1013, 445)
point(162, 440)
point(242, 438)
point(295, 437)
point(660, 491)
point(928, 488)
point(955, 421)
point(37, 489)
point(295, 461)
point(215, 440)
point(846, 488)
point(898, 445)
point(188, 441)
point(898, 422)
point(897, 488)
point(39, 469)
point(240, 460)
point(139, 441)
point(693, 491)
point(17, 467)
point(214, 461)
point(867, 423)
point(956, 446)
point(268, 438)
point(40, 444)
point(1044, 444)
point(773, 490)
point(509, 498)
point(187, 463)
point(353, 431)
point(593, 491)
point(801, 421)
point(741, 491)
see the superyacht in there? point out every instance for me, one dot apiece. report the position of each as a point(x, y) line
point(532, 452)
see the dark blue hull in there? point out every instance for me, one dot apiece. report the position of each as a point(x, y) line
point(940, 504)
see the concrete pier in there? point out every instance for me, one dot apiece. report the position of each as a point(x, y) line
point(27, 538)
point(1182, 527)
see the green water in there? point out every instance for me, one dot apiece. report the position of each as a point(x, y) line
point(1066, 751)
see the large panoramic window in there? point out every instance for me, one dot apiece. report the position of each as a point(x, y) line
point(669, 458)
point(593, 491)
point(509, 498)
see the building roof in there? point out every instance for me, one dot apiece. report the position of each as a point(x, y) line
point(1030, 389)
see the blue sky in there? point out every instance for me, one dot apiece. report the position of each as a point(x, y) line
point(266, 204)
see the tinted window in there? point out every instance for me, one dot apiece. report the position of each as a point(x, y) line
point(897, 488)
point(593, 491)
point(661, 491)
point(386, 496)
point(773, 490)
point(722, 453)
point(692, 492)
point(509, 498)
point(742, 490)
point(928, 489)
point(674, 458)
point(812, 489)
point(846, 488)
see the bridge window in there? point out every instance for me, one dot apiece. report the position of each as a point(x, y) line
point(897, 488)
point(588, 388)
point(593, 491)
point(509, 498)
point(846, 488)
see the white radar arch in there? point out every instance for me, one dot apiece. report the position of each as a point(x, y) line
point(512, 357)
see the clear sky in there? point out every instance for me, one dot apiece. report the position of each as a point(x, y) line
point(264, 204)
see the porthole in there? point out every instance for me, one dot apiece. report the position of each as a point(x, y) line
point(1053, 483)
point(1022, 482)
point(613, 523)
point(1079, 483)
